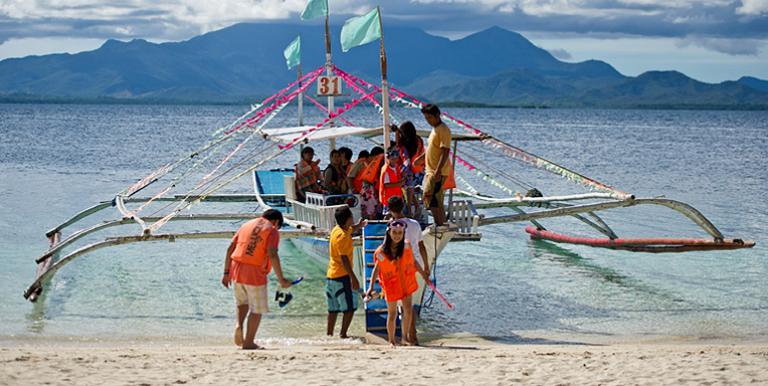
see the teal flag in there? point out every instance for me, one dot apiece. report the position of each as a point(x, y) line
point(292, 53)
point(360, 30)
point(315, 8)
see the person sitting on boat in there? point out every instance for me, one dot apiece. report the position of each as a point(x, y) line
point(414, 238)
point(369, 196)
point(391, 181)
point(250, 257)
point(438, 166)
point(334, 179)
point(346, 165)
point(396, 272)
point(307, 174)
point(411, 149)
point(355, 175)
point(341, 284)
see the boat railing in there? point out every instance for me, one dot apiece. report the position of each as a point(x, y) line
point(351, 200)
point(322, 217)
point(464, 216)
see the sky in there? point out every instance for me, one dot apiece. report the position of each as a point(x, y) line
point(710, 40)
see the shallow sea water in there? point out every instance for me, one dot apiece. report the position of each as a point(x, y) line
point(58, 159)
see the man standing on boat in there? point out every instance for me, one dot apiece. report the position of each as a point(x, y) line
point(250, 257)
point(438, 166)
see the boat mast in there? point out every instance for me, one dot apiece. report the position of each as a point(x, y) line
point(329, 72)
point(301, 94)
point(384, 85)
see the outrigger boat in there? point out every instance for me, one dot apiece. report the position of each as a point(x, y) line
point(241, 151)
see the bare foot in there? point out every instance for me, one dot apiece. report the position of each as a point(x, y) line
point(392, 344)
point(345, 336)
point(238, 335)
point(252, 346)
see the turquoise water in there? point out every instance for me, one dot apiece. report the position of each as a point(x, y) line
point(58, 159)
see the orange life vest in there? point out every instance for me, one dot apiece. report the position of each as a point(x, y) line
point(449, 182)
point(307, 178)
point(357, 181)
point(384, 192)
point(397, 277)
point(418, 162)
point(373, 169)
point(251, 247)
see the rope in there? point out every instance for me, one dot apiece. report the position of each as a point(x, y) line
point(214, 142)
point(325, 109)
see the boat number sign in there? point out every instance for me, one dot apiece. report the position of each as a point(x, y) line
point(328, 86)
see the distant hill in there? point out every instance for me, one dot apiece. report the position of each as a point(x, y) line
point(244, 62)
point(755, 83)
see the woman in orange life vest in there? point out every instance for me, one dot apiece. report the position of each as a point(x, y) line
point(411, 148)
point(390, 181)
point(369, 197)
point(307, 174)
point(396, 272)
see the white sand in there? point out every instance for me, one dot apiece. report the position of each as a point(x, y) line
point(462, 361)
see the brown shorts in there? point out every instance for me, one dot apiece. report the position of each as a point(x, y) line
point(435, 190)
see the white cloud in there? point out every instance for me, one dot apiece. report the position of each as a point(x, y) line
point(747, 47)
point(753, 7)
point(561, 53)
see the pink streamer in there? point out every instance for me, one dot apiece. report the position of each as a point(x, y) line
point(325, 110)
point(339, 111)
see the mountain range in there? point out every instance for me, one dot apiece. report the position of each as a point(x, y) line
point(244, 62)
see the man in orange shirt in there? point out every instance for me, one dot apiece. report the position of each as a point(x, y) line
point(250, 257)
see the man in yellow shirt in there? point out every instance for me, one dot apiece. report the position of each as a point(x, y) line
point(341, 284)
point(438, 166)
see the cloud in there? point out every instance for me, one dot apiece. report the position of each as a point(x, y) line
point(182, 19)
point(747, 47)
point(753, 7)
point(561, 54)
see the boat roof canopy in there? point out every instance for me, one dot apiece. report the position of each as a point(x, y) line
point(287, 134)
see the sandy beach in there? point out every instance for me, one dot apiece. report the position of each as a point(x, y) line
point(446, 361)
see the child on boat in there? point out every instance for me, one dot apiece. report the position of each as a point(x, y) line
point(250, 257)
point(369, 197)
point(307, 174)
point(411, 149)
point(396, 273)
point(390, 181)
point(341, 284)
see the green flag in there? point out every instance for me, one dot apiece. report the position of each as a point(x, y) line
point(292, 53)
point(315, 8)
point(360, 30)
